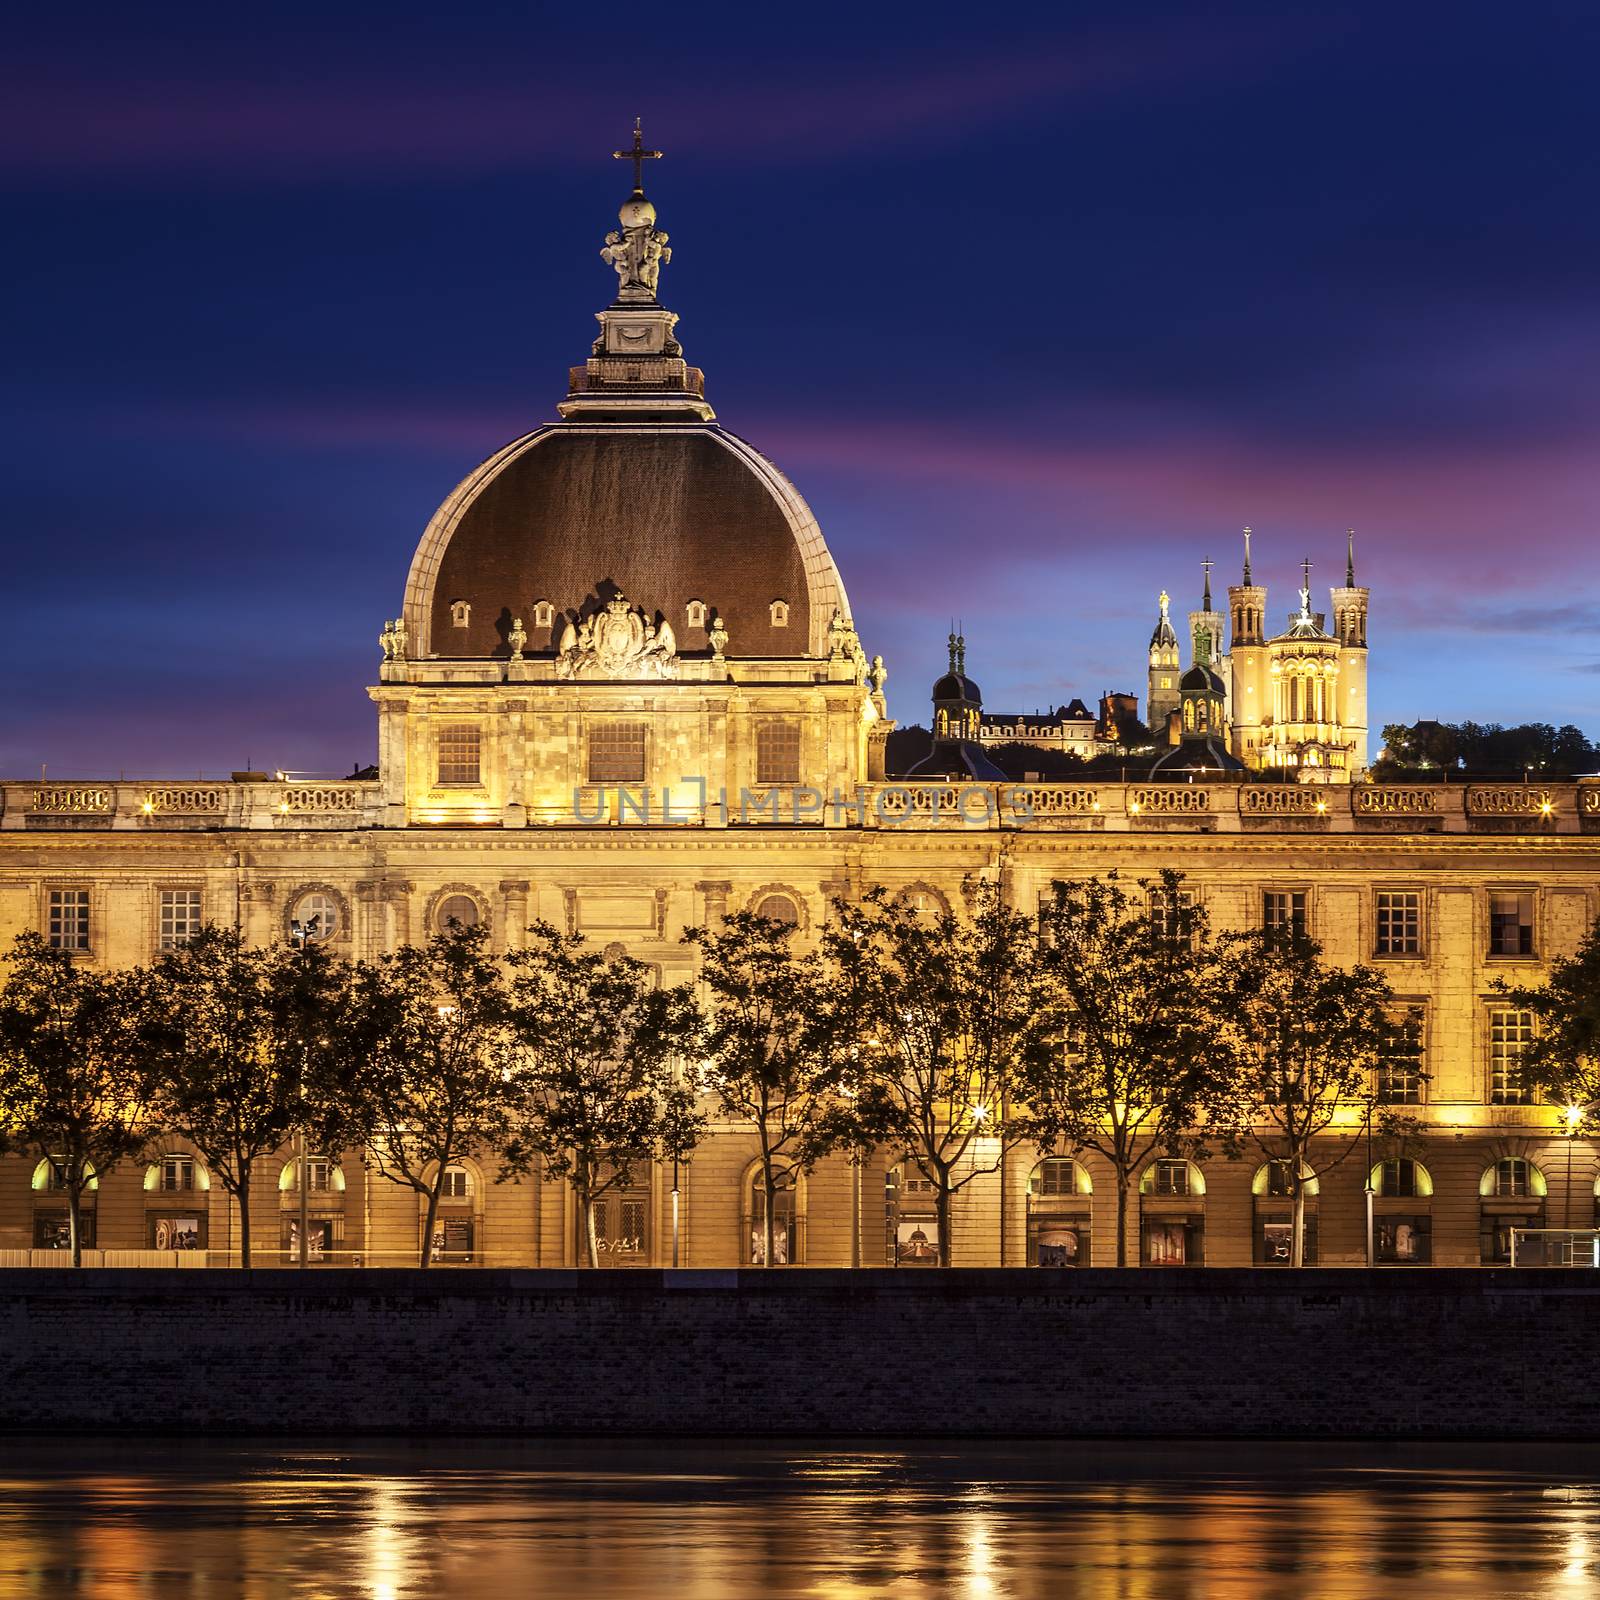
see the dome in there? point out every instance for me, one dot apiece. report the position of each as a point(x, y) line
point(666, 515)
point(957, 686)
point(1201, 679)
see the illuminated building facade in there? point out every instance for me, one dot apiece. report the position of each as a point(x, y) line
point(625, 694)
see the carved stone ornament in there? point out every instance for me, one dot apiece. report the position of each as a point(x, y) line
point(393, 640)
point(619, 642)
point(517, 638)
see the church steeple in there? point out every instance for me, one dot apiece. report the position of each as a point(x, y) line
point(636, 371)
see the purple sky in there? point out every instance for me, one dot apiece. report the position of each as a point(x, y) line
point(1037, 312)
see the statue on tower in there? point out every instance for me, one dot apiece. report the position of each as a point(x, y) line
point(637, 250)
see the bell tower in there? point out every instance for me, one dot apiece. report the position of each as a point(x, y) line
point(1250, 706)
point(1350, 629)
point(1164, 668)
point(1206, 641)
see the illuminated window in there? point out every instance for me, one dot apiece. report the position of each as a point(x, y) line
point(695, 614)
point(544, 614)
point(459, 909)
point(1511, 922)
point(778, 908)
point(459, 751)
point(1512, 1179)
point(1055, 1178)
point(1510, 1034)
point(778, 751)
point(1172, 913)
point(179, 917)
point(1168, 1177)
point(1399, 922)
point(1403, 1177)
point(317, 915)
point(1284, 911)
point(176, 1174)
point(67, 920)
point(616, 752)
point(1399, 1075)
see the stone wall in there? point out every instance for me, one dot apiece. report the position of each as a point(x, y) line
point(1420, 1354)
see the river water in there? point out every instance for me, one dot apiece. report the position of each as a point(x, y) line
point(219, 1520)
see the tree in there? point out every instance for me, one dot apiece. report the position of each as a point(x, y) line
point(1135, 997)
point(75, 1078)
point(1564, 1057)
point(773, 1056)
point(598, 1087)
point(258, 1044)
point(1535, 748)
point(1306, 1042)
point(941, 1010)
point(438, 1059)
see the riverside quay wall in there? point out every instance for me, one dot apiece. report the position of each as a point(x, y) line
point(1406, 1353)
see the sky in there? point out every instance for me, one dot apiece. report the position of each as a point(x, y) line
point(1037, 305)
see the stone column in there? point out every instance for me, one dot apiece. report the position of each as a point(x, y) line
point(714, 896)
point(397, 896)
point(257, 907)
point(514, 894)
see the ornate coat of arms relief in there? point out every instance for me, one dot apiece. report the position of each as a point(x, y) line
point(619, 642)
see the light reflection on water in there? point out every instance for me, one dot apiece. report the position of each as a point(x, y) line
point(732, 1521)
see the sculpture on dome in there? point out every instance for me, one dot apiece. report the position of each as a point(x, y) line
point(637, 250)
point(619, 642)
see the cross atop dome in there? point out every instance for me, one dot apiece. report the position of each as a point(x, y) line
point(638, 155)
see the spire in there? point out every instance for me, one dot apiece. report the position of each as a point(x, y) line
point(961, 654)
point(636, 370)
point(1305, 587)
point(953, 666)
point(1205, 602)
point(1350, 558)
point(1247, 558)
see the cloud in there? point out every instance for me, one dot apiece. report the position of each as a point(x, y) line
point(512, 114)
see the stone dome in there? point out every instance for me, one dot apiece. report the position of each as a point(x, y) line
point(667, 515)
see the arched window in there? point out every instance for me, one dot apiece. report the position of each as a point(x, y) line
point(47, 1176)
point(1057, 1178)
point(544, 614)
point(1402, 1177)
point(458, 909)
point(324, 1210)
point(460, 613)
point(780, 613)
point(925, 901)
point(457, 1225)
point(778, 908)
point(694, 614)
point(788, 1219)
point(1058, 1213)
point(1512, 1178)
point(1272, 1180)
point(317, 914)
point(176, 1174)
point(458, 1185)
point(1172, 1178)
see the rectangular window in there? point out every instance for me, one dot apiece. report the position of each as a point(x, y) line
point(1171, 1177)
point(1284, 910)
point(1510, 1033)
point(177, 1172)
point(778, 751)
point(1400, 1071)
point(1171, 914)
point(180, 917)
point(319, 1172)
point(455, 1184)
point(67, 924)
point(1511, 922)
point(1399, 922)
point(459, 750)
point(616, 752)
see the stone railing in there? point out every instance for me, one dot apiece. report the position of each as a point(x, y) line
point(1393, 800)
point(186, 806)
point(1169, 800)
point(1508, 800)
point(1282, 800)
point(188, 800)
point(71, 800)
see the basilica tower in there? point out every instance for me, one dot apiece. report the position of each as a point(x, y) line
point(1350, 629)
point(1207, 642)
point(1162, 700)
point(1250, 701)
